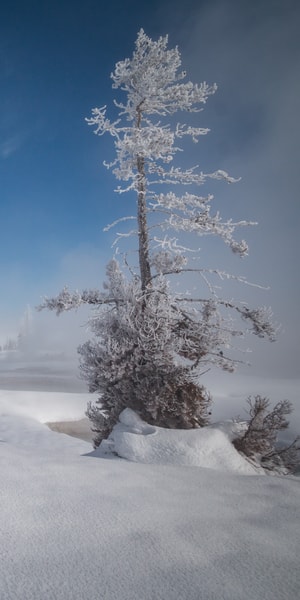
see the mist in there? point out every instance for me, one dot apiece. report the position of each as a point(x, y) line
point(252, 51)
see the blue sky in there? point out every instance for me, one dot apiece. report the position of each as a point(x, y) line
point(55, 62)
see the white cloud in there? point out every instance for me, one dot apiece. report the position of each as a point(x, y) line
point(11, 145)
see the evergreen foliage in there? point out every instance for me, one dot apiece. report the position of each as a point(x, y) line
point(259, 441)
point(150, 345)
point(130, 360)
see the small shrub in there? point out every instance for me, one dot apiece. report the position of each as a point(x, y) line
point(259, 440)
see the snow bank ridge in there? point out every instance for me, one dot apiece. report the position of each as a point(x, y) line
point(209, 447)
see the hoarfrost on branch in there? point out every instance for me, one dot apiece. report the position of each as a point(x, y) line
point(150, 344)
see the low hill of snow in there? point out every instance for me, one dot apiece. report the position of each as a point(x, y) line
point(208, 447)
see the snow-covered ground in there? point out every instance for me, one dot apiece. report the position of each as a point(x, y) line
point(78, 524)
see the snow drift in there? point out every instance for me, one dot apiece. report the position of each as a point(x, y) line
point(208, 447)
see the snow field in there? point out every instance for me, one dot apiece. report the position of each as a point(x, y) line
point(78, 526)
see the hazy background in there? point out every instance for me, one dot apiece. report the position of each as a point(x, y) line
point(56, 197)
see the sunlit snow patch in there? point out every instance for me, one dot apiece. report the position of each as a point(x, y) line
point(209, 447)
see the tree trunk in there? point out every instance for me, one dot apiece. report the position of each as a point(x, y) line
point(144, 260)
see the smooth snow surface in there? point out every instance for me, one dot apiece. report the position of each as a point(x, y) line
point(44, 406)
point(209, 447)
point(75, 526)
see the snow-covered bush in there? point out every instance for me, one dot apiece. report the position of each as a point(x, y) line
point(151, 345)
point(259, 441)
point(130, 361)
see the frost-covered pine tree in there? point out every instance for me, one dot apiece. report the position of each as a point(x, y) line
point(150, 344)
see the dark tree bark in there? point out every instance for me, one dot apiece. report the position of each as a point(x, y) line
point(144, 260)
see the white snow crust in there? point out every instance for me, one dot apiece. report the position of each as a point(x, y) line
point(75, 525)
point(209, 447)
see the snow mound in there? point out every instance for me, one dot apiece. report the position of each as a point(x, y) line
point(209, 447)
